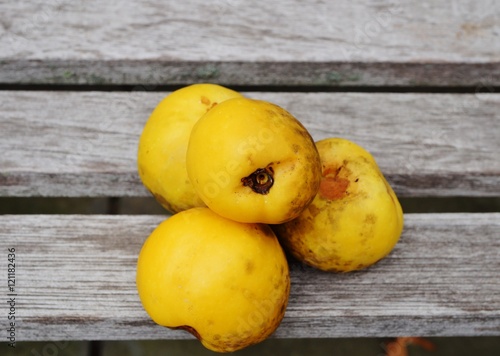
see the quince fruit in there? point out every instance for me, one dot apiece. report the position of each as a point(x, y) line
point(355, 219)
point(225, 282)
point(161, 157)
point(252, 161)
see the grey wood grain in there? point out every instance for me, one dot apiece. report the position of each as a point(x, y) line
point(339, 43)
point(75, 279)
point(84, 143)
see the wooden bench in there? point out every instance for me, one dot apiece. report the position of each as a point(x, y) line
point(416, 85)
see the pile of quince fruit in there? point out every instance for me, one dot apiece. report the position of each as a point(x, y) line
point(246, 183)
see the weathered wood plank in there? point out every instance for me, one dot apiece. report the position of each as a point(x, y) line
point(75, 279)
point(84, 143)
point(236, 42)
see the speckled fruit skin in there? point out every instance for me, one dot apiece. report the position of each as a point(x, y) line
point(161, 157)
point(241, 137)
point(225, 282)
point(355, 219)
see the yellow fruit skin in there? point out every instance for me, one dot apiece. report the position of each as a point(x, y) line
point(161, 157)
point(225, 282)
point(355, 219)
point(237, 138)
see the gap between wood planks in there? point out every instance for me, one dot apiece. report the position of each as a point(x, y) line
point(259, 88)
point(147, 205)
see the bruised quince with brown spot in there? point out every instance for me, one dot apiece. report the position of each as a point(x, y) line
point(355, 219)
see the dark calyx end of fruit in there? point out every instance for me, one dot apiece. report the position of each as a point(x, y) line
point(260, 181)
point(190, 330)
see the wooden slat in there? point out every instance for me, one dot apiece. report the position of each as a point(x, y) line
point(75, 279)
point(236, 42)
point(84, 143)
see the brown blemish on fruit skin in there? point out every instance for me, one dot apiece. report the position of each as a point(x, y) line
point(313, 210)
point(333, 188)
point(205, 100)
point(189, 329)
point(370, 219)
point(300, 227)
point(249, 267)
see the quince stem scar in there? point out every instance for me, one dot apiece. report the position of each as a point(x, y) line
point(260, 181)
